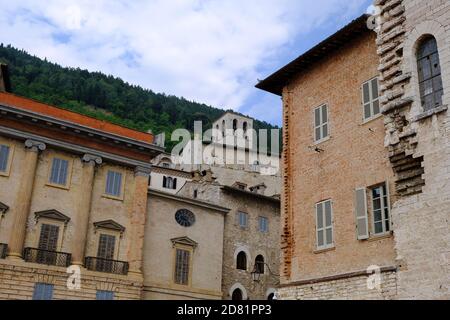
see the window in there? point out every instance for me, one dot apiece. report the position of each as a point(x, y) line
point(113, 183)
point(104, 295)
point(4, 156)
point(429, 69)
point(241, 261)
point(370, 96)
point(170, 183)
point(182, 261)
point(185, 218)
point(380, 210)
point(321, 129)
point(259, 264)
point(263, 224)
point(43, 291)
point(235, 124)
point(106, 246)
point(166, 165)
point(324, 225)
point(243, 219)
point(48, 239)
point(59, 172)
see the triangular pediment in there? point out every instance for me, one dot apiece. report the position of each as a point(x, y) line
point(185, 241)
point(52, 214)
point(3, 207)
point(110, 225)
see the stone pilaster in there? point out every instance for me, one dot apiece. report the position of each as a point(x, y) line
point(84, 207)
point(24, 195)
point(138, 214)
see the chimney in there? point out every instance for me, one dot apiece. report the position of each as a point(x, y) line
point(5, 84)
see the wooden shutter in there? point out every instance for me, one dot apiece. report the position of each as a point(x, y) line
point(48, 239)
point(106, 247)
point(362, 219)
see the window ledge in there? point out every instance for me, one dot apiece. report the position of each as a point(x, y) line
point(378, 237)
point(368, 120)
point(316, 143)
point(107, 196)
point(319, 251)
point(57, 186)
point(430, 113)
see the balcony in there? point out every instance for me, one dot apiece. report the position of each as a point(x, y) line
point(106, 266)
point(3, 249)
point(51, 258)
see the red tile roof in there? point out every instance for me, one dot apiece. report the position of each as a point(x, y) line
point(12, 100)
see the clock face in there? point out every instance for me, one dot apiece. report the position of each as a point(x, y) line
point(185, 218)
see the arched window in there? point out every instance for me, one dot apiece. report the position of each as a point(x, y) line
point(259, 264)
point(235, 124)
point(241, 263)
point(223, 128)
point(245, 126)
point(430, 78)
point(237, 295)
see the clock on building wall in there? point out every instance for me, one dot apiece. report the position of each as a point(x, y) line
point(185, 218)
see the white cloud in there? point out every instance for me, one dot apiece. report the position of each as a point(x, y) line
point(205, 50)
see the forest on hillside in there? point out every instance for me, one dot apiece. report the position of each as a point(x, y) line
point(105, 97)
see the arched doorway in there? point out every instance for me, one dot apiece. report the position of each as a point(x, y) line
point(271, 296)
point(237, 295)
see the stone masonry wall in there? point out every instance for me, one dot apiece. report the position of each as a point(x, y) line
point(418, 143)
point(17, 281)
point(354, 288)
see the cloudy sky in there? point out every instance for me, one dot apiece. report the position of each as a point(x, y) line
point(210, 51)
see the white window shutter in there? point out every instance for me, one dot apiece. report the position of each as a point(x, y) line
point(362, 219)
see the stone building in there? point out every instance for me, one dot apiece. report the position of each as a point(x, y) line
point(73, 192)
point(80, 218)
point(338, 183)
point(182, 261)
point(414, 51)
point(251, 236)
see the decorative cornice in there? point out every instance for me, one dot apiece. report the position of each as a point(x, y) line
point(202, 204)
point(73, 147)
point(5, 108)
point(34, 145)
point(184, 241)
point(89, 158)
point(52, 214)
point(110, 225)
point(142, 171)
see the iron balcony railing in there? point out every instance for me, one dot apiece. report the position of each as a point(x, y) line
point(51, 258)
point(3, 249)
point(107, 266)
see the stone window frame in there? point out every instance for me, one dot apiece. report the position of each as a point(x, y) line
point(373, 116)
point(328, 123)
point(414, 38)
point(11, 146)
point(65, 186)
point(122, 171)
point(110, 228)
point(48, 221)
point(248, 255)
point(185, 247)
point(240, 287)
